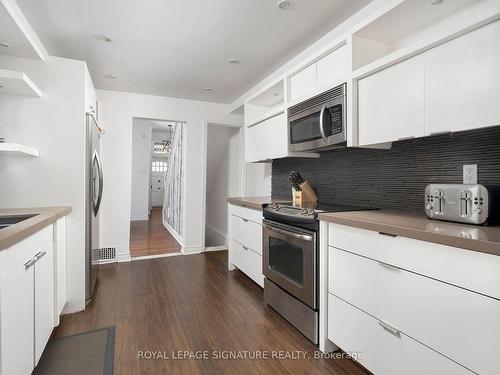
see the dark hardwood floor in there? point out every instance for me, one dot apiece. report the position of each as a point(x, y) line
point(150, 237)
point(193, 303)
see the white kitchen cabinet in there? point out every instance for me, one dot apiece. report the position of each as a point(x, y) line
point(245, 241)
point(91, 102)
point(267, 140)
point(17, 318)
point(391, 103)
point(44, 298)
point(462, 82)
point(303, 83)
point(332, 68)
point(59, 268)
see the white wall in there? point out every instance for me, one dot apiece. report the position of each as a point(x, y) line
point(54, 124)
point(141, 169)
point(117, 111)
point(223, 180)
point(258, 179)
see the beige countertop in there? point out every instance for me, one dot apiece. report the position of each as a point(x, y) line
point(484, 239)
point(16, 232)
point(256, 202)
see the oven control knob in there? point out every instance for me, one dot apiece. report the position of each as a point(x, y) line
point(310, 212)
point(304, 211)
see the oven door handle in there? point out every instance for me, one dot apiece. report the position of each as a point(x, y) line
point(321, 125)
point(304, 237)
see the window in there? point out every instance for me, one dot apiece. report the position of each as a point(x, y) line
point(159, 166)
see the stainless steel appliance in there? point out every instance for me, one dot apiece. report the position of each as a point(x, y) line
point(456, 202)
point(290, 262)
point(93, 194)
point(320, 122)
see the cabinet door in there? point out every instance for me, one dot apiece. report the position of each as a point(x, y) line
point(332, 68)
point(16, 332)
point(462, 82)
point(391, 103)
point(44, 297)
point(276, 137)
point(303, 82)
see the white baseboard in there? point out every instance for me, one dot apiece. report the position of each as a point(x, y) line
point(123, 258)
point(145, 257)
point(189, 250)
point(215, 248)
point(173, 232)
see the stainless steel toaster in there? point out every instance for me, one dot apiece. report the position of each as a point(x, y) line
point(456, 202)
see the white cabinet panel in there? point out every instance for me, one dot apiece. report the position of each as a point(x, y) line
point(267, 140)
point(44, 297)
point(60, 267)
point(462, 82)
point(391, 103)
point(332, 68)
point(468, 269)
point(303, 83)
point(17, 316)
point(455, 322)
point(248, 262)
point(247, 233)
point(381, 351)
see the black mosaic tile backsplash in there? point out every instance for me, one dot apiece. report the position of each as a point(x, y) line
point(394, 179)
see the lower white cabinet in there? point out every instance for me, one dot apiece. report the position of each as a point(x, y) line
point(245, 241)
point(410, 306)
point(29, 308)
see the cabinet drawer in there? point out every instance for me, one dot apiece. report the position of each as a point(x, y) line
point(383, 352)
point(247, 213)
point(472, 270)
point(460, 324)
point(247, 233)
point(248, 262)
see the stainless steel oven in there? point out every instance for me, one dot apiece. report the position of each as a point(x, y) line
point(290, 270)
point(319, 122)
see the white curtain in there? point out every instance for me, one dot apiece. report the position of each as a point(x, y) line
point(174, 182)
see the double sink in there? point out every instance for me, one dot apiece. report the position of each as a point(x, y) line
point(7, 221)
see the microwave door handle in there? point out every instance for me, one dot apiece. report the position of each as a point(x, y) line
point(321, 128)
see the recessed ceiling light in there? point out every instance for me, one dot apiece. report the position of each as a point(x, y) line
point(276, 94)
point(283, 4)
point(436, 2)
point(4, 44)
point(103, 38)
point(233, 61)
point(112, 76)
point(208, 89)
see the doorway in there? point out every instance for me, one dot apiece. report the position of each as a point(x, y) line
point(223, 179)
point(157, 188)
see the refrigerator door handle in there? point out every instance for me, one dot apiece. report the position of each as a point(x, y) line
point(96, 201)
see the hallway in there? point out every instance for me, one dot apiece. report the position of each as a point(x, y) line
point(150, 237)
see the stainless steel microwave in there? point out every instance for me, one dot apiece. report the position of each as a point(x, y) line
point(319, 122)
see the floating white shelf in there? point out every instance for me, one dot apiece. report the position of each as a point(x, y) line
point(17, 83)
point(13, 149)
point(272, 113)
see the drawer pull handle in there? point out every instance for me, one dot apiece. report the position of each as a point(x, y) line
point(388, 234)
point(392, 330)
point(388, 266)
point(244, 247)
point(29, 263)
point(41, 254)
point(245, 220)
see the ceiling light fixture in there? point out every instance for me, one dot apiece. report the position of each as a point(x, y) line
point(233, 61)
point(436, 2)
point(112, 76)
point(4, 44)
point(208, 89)
point(276, 94)
point(283, 4)
point(103, 38)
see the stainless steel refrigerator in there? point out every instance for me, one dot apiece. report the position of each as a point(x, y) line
point(93, 196)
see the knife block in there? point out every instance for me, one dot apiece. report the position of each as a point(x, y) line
point(307, 195)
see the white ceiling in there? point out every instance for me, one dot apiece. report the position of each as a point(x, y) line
point(179, 47)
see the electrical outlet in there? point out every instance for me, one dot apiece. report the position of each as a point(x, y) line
point(470, 174)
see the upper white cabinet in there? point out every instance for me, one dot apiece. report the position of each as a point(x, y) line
point(303, 83)
point(391, 103)
point(325, 72)
point(462, 82)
